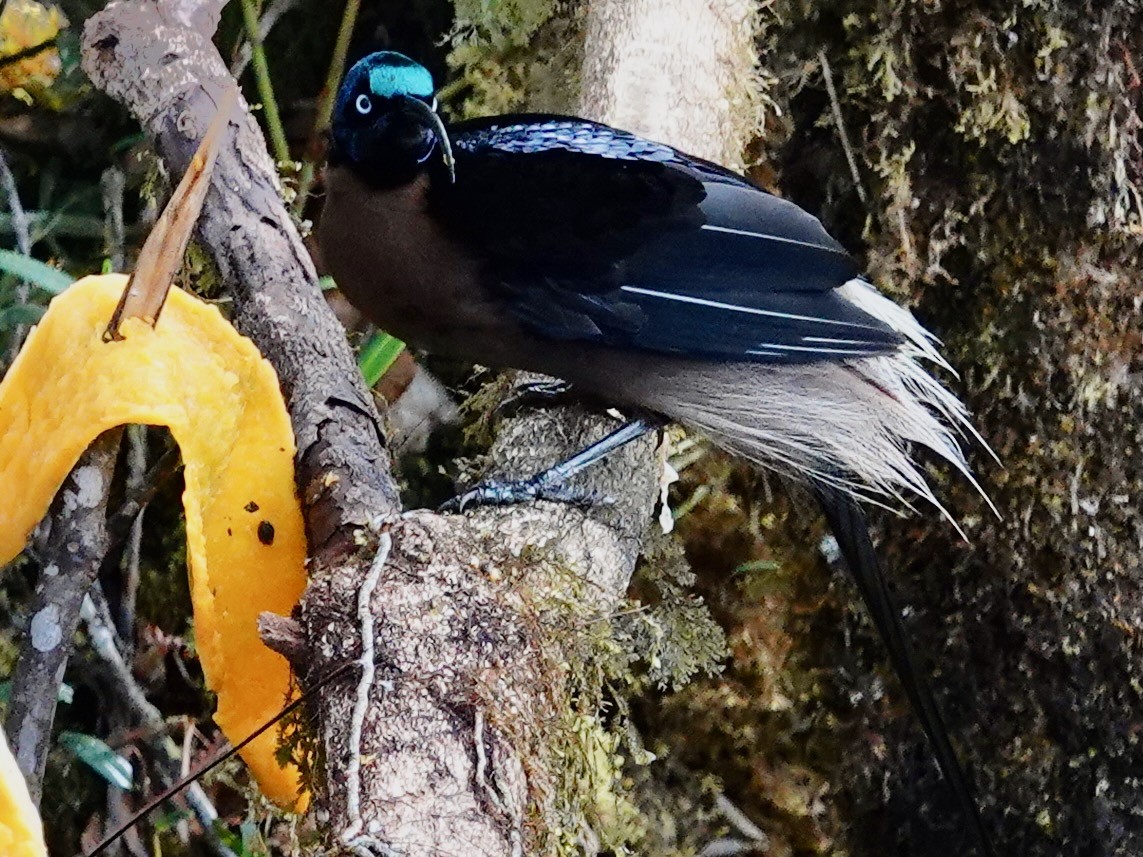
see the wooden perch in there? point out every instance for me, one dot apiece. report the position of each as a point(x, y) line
point(172, 78)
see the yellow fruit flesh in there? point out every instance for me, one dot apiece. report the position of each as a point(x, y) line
point(21, 834)
point(194, 374)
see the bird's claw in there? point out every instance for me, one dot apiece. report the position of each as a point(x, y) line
point(535, 394)
point(512, 492)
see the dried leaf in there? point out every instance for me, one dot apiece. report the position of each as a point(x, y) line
point(162, 254)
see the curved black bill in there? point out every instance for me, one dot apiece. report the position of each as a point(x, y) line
point(438, 125)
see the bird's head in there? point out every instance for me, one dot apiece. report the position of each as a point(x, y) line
point(385, 124)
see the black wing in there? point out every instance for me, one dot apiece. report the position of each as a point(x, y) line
point(595, 234)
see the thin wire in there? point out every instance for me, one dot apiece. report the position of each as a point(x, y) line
point(177, 787)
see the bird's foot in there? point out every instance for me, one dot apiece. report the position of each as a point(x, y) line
point(552, 484)
point(543, 486)
point(546, 393)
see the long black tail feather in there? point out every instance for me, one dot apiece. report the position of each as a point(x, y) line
point(852, 533)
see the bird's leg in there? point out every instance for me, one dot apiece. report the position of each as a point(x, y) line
point(551, 484)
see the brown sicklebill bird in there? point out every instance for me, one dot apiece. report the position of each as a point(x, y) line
point(649, 279)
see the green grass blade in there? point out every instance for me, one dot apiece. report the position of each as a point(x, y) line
point(379, 353)
point(100, 758)
point(39, 274)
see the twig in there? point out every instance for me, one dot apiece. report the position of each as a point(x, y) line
point(104, 642)
point(162, 253)
point(20, 224)
point(742, 822)
point(117, 811)
point(26, 53)
point(22, 228)
point(835, 105)
point(325, 102)
point(489, 789)
point(71, 548)
point(191, 780)
point(120, 522)
point(351, 836)
point(265, 85)
point(481, 760)
point(113, 184)
point(269, 18)
point(129, 564)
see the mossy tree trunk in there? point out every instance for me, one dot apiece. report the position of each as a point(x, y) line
point(1002, 145)
point(999, 147)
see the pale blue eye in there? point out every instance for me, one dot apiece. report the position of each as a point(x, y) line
point(363, 104)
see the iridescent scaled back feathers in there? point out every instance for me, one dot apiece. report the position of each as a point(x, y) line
point(570, 135)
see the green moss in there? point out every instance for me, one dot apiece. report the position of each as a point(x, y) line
point(1006, 210)
point(579, 761)
point(764, 731)
point(667, 635)
point(199, 273)
point(512, 56)
point(502, 21)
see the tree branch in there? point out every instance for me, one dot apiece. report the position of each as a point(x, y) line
point(170, 77)
point(70, 546)
point(680, 71)
point(108, 647)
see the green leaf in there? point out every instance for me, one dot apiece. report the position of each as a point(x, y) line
point(20, 314)
point(379, 353)
point(100, 758)
point(229, 838)
point(125, 143)
point(37, 273)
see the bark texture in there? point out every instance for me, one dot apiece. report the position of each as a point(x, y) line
point(70, 545)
